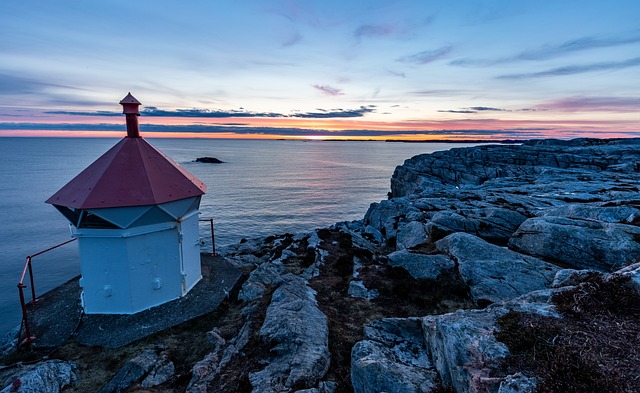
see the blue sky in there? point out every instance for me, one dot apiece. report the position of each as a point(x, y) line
point(414, 69)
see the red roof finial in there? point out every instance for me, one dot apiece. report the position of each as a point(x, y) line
point(130, 109)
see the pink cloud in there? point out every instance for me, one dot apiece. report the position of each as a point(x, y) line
point(328, 90)
point(592, 104)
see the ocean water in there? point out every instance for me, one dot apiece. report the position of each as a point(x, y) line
point(263, 188)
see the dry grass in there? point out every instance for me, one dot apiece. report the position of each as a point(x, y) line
point(595, 347)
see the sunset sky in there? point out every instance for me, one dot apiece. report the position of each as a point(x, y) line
point(467, 69)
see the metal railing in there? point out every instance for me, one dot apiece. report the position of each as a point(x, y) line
point(213, 236)
point(22, 286)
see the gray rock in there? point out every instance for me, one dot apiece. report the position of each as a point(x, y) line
point(570, 277)
point(495, 273)
point(355, 229)
point(579, 243)
point(518, 383)
point(162, 371)
point(300, 333)
point(208, 369)
point(323, 387)
point(374, 234)
point(392, 358)
point(149, 368)
point(421, 266)
point(51, 376)
point(495, 225)
point(611, 214)
point(384, 216)
point(203, 372)
point(267, 274)
point(633, 273)
point(464, 349)
point(244, 260)
point(9, 342)
point(357, 289)
point(410, 235)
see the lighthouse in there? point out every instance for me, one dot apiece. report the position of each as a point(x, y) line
point(135, 214)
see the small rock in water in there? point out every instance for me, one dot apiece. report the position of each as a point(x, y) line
point(209, 160)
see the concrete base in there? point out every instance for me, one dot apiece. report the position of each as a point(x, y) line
point(58, 314)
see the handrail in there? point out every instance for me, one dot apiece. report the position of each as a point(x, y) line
point(213, 237)
point(22, 286)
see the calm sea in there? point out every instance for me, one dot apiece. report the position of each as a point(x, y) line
point(263, 188)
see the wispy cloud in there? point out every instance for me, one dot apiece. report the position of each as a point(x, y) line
point(593, 104)
point(426, 57)
point(397, 73)
point(550, 51)
point(335, 113)
point(457, 111)
point(474, 109)
point(439, 93)
point(486, 108)
point(292, 39)
point(328, 90)
point(366, 31)
point(580, 44)
point(576, 69)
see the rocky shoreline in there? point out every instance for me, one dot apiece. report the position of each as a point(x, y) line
point(435, 290)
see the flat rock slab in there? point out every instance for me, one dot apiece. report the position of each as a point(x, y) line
point(56, 316)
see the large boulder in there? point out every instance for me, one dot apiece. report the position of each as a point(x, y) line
point(495, 225)
point(495, 273)
point(299, 332)
point(150, 368)
point(464, 349)
point(264, 276)
point(384, 216)
point(410, 235)
point(421, 266)
point(579, 243)
point(392, 358)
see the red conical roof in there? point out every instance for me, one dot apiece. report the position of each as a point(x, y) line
point(132, 173)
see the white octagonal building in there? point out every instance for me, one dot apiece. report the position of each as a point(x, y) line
point(135, 214)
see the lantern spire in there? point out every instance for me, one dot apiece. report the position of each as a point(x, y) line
point(130, 110)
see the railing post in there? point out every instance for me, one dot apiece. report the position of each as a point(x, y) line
point(33, 288)
point(29, 338)
point(213, 239)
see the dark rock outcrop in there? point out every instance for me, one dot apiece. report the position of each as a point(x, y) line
point(209, 160)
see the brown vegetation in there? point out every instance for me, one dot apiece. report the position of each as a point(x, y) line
point(594, 347)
